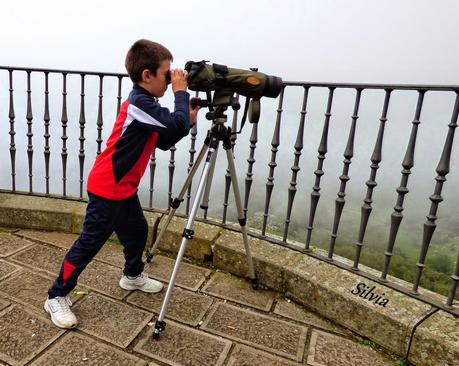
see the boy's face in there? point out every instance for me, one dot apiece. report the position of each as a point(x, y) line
point(157, 84)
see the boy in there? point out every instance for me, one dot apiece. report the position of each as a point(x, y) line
point(114, 206)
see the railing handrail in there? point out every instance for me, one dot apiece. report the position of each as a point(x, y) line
point(76, 72)
point(430, 87)
point(418, 87)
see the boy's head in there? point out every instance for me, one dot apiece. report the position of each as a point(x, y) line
point(148, 64)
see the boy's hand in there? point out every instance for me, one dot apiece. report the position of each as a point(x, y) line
point(178, 79)
point(194, 114)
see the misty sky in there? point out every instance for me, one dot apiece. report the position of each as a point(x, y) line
point(387, 41)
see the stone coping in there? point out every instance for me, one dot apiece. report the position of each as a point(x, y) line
point(379, 313)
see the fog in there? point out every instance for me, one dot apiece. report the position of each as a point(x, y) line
point(409, 41)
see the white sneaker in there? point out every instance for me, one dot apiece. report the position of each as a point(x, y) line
point(59, 310)
point(142, 282)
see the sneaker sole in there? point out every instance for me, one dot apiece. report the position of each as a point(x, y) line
point(55, 321)
point(133, 287)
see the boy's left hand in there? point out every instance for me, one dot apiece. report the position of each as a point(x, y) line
point(194, 114)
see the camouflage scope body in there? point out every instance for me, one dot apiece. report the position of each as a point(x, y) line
point(206, 77)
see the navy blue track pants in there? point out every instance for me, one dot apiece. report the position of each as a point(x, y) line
point(103, 217)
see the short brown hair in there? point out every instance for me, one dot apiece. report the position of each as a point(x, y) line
point(145, 54)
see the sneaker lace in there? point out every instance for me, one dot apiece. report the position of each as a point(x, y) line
point(64, 304)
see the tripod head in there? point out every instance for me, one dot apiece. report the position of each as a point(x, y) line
point(219, 103)
point(215, 110)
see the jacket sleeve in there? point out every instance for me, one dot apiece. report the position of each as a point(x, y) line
point(171, 127)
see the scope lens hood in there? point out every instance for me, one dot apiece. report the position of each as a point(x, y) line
point(273, 86)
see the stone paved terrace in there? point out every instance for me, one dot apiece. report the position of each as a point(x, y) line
point(213, 318)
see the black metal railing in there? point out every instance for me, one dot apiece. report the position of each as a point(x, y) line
point(295, 220)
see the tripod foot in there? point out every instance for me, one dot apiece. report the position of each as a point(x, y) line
point(254, 282)
point(159, 327)
point(149, 257)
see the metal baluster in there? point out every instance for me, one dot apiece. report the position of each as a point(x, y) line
point(442, 170)
point(29, 118)
point(12, 117)
point(322, 150)
point(296, 168)
point(376, 158)
point(344, 178)
point(227, 175)
point(192, 151)
point(408, 162)
point(82, 122)
point(173, 149)
point(250, 161)
point(152, 176)
point(118, 105)
point(46, 135)
point(455, 278)
point(272, 165)
point(100, 121)
point(64, 138)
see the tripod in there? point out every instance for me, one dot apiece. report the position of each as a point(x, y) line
point(218, 132)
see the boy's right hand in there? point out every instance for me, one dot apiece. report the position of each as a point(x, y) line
point(179, 79)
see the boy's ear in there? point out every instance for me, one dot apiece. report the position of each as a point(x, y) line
point(146, 75)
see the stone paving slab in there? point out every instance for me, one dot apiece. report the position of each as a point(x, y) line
point(257, 330)
point(238, 290)
point(42, 257)
point(28, 288)
point(111, 253)
point(179, 345)
point(110, 320)
point(7, 269)
point(184, 306)
point(246, 356)
point(79, 350)
point(3, 304)
point(97, 275)
point(328, 349)
point(63, 240)
point(189, 276)
point(10, 244)
point(103, 278)
point(291, 310)
point(24, 334)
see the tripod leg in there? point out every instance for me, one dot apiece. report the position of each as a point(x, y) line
point(205, 199)
point(176, 202)
point(240, 214)
point(187, 235)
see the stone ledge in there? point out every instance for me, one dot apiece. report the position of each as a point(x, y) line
point(344, 297)
point(322, 287)
point(32, 212)
point(327, 290)
point(439, 336)
point(200, 248)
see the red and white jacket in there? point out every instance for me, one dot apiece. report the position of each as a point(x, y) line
point(141, 126)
